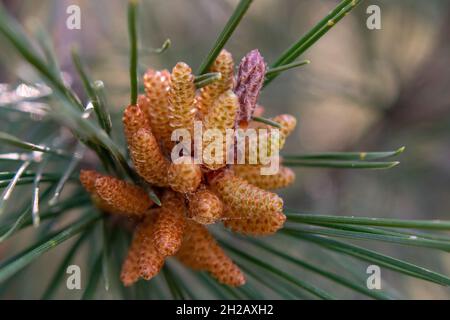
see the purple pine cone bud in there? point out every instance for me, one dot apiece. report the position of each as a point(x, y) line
point(249, 81)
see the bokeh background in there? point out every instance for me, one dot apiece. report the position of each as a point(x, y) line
point(365, 90)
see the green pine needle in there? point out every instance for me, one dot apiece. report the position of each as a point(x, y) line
point(206, 79)
point(381, 222)
point(57, 278)
point(357, 233)
point(372, 256)
point(226, 33)
point(276, 70)
point(93, 90)
point(25, 220)
point(175, 290)
point(12, 184)
point(21, 260)
point(46, 45)
point(17, 142)
point(106, 240)
point(357, 156)
point(71, 167)
point(132, 31)
point(30, 180)
point(94, 278)
point(279, 273)
point(267, 121)
point(13, 32)
point(8, 230)
point(329, 275)
point(311, 37)
point(166, 45)
point(36, 191)
point(340, 164)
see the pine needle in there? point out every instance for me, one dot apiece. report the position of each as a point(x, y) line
point(132, 31)
point(18, 262)
point(78, 155)
point(10, 188)
point(226, 33)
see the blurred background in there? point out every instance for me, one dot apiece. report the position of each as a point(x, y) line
point(365, 90)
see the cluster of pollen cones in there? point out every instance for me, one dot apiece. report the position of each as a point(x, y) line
point(192, 195)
